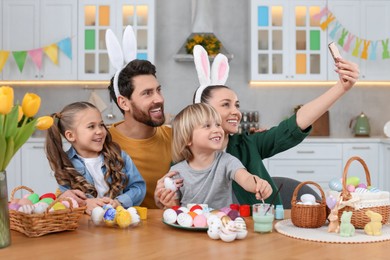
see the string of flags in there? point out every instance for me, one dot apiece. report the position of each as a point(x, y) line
point(36, 55)
point(361, 48)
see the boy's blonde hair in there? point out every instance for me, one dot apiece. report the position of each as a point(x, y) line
point(184, 124)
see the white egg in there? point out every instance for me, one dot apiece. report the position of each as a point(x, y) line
point(213, 233)
point(170, 216)
point(184, 209)
point(97, 215)
point(169, 183)
point(28, 209)
point(308, 198)
point(227, 236)
point(214, 220)
point(40, 207)
point(184, 220)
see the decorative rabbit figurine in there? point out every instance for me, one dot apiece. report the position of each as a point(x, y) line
point(219, 70)
point(374, 227)
point(346, 228)
point(334, 224)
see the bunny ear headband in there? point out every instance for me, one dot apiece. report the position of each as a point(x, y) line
point(219, 70)
point(118, 58)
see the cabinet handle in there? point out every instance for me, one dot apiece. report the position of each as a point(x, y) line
point(305, 172)
point(360, 148)
point(38, 147)
point(306, 152)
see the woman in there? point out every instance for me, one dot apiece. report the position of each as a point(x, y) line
point(251, 149)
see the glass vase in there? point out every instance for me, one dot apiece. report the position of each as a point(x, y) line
point(5, 236)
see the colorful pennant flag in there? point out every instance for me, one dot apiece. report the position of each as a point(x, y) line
point(20, 59)
point(66, 47)
point(36, 56)
point(3, 59)
point(52, 52)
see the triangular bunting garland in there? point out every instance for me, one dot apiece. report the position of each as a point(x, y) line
point(3, 59)
point(36, 56)
point(52, 52)
point(20, 59)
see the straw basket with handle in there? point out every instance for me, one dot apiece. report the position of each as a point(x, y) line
point(376, 202)
point(35, 225)
point(308, 216)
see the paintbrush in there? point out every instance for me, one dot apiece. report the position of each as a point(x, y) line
point(273, 199)
point(262, 199)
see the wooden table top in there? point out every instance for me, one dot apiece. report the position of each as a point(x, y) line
point(152, 239)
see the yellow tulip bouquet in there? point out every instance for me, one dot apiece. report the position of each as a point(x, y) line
point(17, 123)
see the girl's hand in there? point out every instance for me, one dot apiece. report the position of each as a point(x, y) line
point(348, 73)
point(77, 195)
point(263, 188)
point(93, 203)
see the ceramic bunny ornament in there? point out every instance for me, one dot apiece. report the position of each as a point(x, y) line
point(120, 58)
point(218, 74)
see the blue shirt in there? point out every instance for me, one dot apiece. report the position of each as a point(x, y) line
point(132, 195)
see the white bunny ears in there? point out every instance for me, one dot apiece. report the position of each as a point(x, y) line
point(119, 58)
point(219, 70)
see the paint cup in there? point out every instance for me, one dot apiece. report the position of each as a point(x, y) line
point(263, 217)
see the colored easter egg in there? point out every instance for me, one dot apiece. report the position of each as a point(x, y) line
point(28, 209)
point(335, 184)
point(58, 206)
point(350, 188)
point(200, 221)
point(353, 180)
point(74, 203)
point(233, 214)
point(196, 206)
point(48, 195)
point(123, 218)
point(40, 207)
point(331, 201)
point(361, 190)
point(47, 200)
point(192, 214)
point(13, 206)
point(33, 197)
point(109, 216)
point(25, 201)
point(107, 206)
point(362, 185)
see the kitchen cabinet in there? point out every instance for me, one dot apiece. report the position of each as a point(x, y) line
point(286, 41)
point(318, 162)
point(385, 166)
point(369, 152)
point(96, 16)
point(34, 24)
point(367, 20)
point(14, 176)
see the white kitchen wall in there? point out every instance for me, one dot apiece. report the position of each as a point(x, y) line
point(231, 26)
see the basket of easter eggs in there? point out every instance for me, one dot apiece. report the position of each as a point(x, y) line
point(361, 199)
point(308, 215)
point(35, 215)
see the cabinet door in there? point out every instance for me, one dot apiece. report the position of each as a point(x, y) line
point(385, 167)
point(14, 171)
point(20, 32)
point(369, 152)
point(59, 21)
point(36, 171)
point(375, 26)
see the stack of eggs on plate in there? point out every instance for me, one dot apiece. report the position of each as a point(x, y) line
point(225, 224)
point(35, 204)
point(111, 217)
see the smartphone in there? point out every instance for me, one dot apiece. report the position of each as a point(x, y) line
point(334, 51)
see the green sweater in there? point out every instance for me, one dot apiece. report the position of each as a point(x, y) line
point(251, 149)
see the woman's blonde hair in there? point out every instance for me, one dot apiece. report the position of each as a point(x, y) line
point(184, 124)
point(64, 171)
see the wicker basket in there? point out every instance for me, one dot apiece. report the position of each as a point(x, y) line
point(308, 216)
point(359, 218)
point(35, 225)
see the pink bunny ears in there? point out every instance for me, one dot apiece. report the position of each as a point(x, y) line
point(118, 58)
point(219, 70)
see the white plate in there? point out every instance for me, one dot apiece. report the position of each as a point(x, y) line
point(386, 129)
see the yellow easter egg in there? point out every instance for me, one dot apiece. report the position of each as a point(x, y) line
point(123, 218)
point(58, 206)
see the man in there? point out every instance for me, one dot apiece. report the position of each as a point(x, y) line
point(142, 134)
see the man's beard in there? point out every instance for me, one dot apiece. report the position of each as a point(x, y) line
point(144, 118)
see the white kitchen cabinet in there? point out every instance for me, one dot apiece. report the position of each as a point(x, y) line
point(96, 16)
point(369, 152)
point(385, 166)
point(367, 20)
point(14, 173)
point(286, 42)
point(318, 162)
point(33, 24)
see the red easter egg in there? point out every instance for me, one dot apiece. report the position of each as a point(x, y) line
point(175, 207)
point(48, 195)
point(196, 207)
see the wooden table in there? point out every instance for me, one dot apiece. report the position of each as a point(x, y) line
point(155, 240)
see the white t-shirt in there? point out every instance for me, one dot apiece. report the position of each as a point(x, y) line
point(94, 166)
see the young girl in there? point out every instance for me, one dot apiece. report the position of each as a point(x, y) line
point(206, 171)
point(94, 164)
